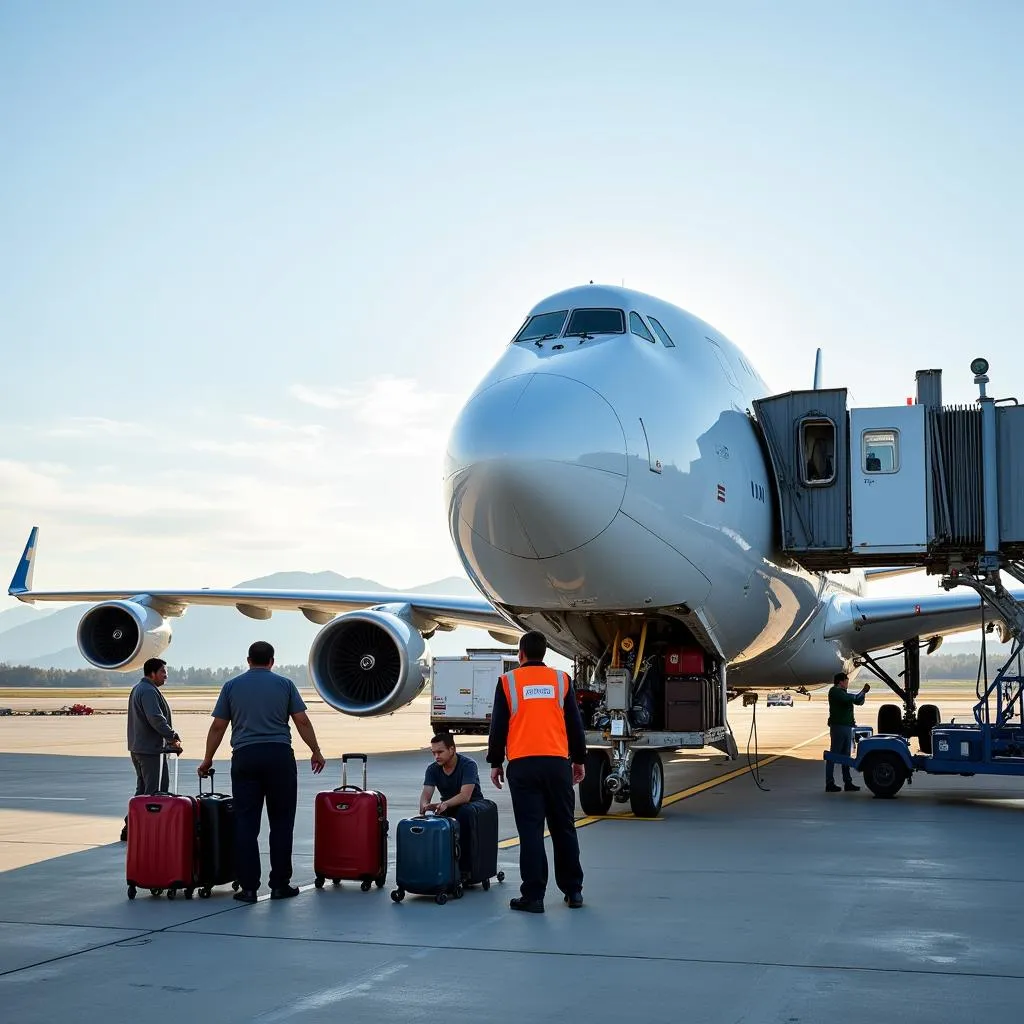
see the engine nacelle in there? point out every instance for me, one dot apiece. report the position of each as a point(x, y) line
point(121, 635)
point(368, 663)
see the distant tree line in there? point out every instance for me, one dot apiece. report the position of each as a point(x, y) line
point(59, 678)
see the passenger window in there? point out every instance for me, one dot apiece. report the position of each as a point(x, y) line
point(639, 328)
point(818, 448)
point(880, 451)
point(588, 322)
point(542, 326)
point(661, 333)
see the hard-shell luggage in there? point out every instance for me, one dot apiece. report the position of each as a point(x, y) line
point(216, 862)
point(427, 858)
point(162, 840)
point(350, 832)
point(479, 837)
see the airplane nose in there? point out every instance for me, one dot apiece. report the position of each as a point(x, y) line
point(536, 465)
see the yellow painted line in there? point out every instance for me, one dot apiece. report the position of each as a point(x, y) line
point(507, 844)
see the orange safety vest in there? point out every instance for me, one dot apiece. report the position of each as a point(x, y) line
point(536, 702)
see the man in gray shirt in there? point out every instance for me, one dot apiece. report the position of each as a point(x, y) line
point(149, 731)
point(258, 705)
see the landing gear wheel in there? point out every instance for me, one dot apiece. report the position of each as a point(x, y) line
point(595, 798)
point(172, 894)
point(486, 884)
point(131, 892)
point(928, 716)
point(441, 899)
point(500, 876)
point(398, 895)
point(205, 892)
point(319, 881)
point(890, 720)
point(646, 784)
point(884, 774)
point(366, 885)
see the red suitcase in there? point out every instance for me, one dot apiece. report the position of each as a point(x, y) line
point(684, 661)
point(162, 834)
point(350, 832)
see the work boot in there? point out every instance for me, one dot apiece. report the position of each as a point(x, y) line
point(851, 787)
point(246, 895)
point(574, 900)
point(529, 906)
point(284, 892)
point(831, 787)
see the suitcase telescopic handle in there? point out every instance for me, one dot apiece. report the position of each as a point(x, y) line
point(164, 754)
point(345, 758)
point(210, 776)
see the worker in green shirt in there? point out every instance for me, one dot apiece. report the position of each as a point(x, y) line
point(840, 727)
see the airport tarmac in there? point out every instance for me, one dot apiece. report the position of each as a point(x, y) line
point(737, 904)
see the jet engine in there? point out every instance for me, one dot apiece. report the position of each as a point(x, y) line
point(368, 663)
point(121, 635)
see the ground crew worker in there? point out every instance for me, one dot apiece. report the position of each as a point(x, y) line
point(150, 732)
point(840, 727)
point(536, 720)
point(258, 705)
point(457, 780)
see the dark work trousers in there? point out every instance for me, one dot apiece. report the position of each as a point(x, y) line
point(541, 789)
point(264, 771)
point(841, 742)
point(149, 778)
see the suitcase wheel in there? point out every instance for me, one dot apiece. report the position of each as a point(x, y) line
point(441, 899)
point(156, 892)
point(365, 885)
point(486, 883)
point(501, 876)
point(205, 892)
point(235, 887)
point(336, 881)
point(188, 893)
point(172, 894)
point(319, 882)
point(380, 881)
point(458, 891)
point(131, 892)
point(398, 895)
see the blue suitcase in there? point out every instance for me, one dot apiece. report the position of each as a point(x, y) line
point(427, 858)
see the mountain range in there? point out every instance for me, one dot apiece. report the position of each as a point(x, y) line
point(217, 637)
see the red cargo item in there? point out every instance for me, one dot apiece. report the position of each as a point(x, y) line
point(350, 832)
point(162, 831)
point(684, 661)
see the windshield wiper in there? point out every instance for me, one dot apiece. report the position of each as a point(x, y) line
point(582, 335)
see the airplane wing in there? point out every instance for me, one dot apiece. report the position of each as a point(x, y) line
point(870, 623)
point(428, 612)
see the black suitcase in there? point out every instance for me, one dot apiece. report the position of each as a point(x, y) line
point(216, 840)
point(480, 832)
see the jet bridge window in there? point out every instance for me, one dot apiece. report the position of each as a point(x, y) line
point(661, 332)
point(880, 451)
point(542, 326)
point(639, 328)
point(818, 450)
point(588, 322)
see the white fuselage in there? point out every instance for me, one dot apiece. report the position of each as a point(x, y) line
point(613, 474)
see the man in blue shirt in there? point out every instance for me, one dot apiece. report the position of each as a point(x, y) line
point(258, 705)
point(457, 779)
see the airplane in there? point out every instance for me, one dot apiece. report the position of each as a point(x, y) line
point(605, 484)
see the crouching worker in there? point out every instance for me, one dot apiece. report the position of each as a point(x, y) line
point(457, 779)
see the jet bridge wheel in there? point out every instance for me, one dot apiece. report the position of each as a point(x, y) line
point(884, 774)
point(890, 720)
point(595, 797)
point(646, 784)
point(928, 716)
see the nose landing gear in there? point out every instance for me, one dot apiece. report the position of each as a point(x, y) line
point(637, 777)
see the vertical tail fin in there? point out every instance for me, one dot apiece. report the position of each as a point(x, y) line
point(22, 581)
point(817, 370)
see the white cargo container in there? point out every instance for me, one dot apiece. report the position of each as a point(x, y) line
point(462, 688)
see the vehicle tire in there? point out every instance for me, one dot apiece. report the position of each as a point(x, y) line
point(319, 881)
point(595, 798)
point(884, 774)
point(646, 784)
point(890, 720)
point(928, 716)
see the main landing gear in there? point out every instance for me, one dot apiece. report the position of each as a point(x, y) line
point(637, 776)
point(909, 720)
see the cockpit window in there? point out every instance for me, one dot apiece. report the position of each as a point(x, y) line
point(639, 328)
point(543, 325)
point(588, 322)
point(661, 332)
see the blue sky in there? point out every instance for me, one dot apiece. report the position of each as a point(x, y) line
point(255, 255)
